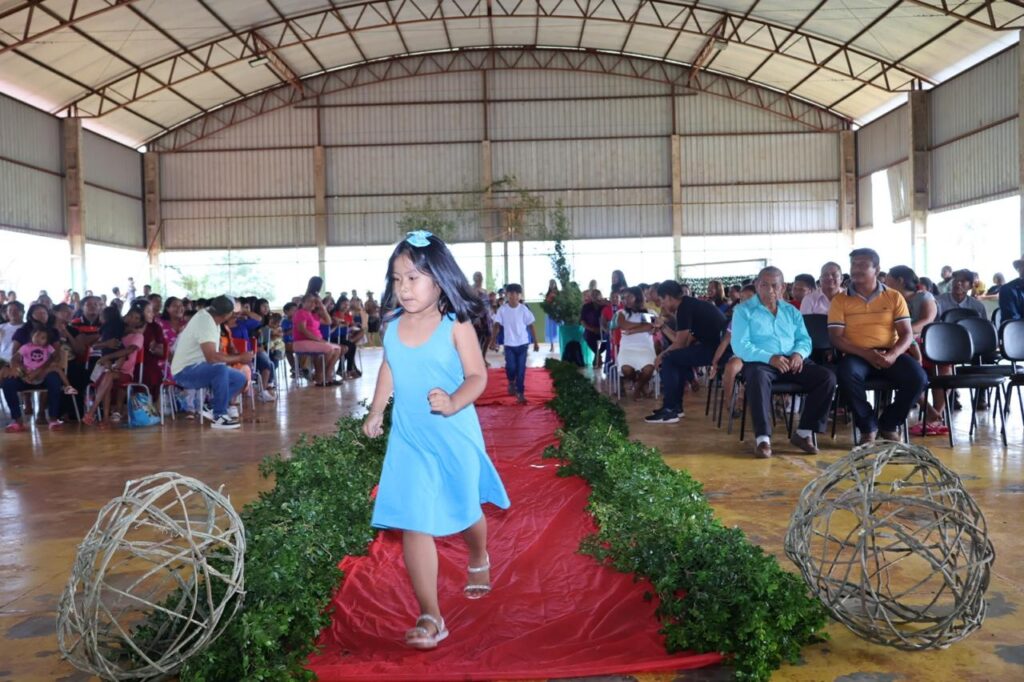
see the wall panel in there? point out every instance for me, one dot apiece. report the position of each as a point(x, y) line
point(29, 135)
point(976, 168)
point(403, 169)
point(883, 142)
point(111, 165)
point(113, 218)
point(585, 164)
point(760, 158)
point(31, 201)
point(760, 209)
point(244, 224)
point(257, 174)
point(982, 96)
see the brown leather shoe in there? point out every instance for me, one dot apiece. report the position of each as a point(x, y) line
point(890, 435)
point(804, 444)
point(763, 451)
point(867, 438)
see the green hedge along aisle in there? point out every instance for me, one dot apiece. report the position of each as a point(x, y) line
point(718, 592)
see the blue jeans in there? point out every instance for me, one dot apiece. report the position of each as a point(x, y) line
point(263, 362)
point(515, 366)
point(54, 392)
point(677, 371)
point(906, 373)
point(223, 381)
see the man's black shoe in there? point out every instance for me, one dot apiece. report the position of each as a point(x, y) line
point(663, 417)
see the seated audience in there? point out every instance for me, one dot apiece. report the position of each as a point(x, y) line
point(998, 280)
point(733, 363)
point(870, 324)
point(817, 301)
point(1011, 295)
point(698, 331)
point(803, 285)
point(959, 296)
point(45, 374)
point(309, 338)
point(115, 370)
point(15, 317)
point(771, 339)
point(199, 364)
point(635, 357)
point(945, 283)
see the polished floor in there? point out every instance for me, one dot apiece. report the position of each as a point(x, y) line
point(53, 483)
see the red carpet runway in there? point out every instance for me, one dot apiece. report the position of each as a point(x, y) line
point(552, 612)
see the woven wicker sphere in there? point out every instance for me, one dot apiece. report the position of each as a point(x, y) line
point(156, 579)
point(894, 546)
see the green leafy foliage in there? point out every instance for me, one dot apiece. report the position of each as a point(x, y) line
point(568, 302)
point(716, 590)
point(317, 513)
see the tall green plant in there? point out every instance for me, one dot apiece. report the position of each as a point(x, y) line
point(568, 302)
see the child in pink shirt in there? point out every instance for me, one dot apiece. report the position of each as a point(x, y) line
point(35, 354)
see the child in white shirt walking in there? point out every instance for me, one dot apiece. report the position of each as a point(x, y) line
point(517, 322)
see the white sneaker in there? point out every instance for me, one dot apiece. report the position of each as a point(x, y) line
point(267, 397)
point(233, 411)
point(225, 422)
point(208, 415)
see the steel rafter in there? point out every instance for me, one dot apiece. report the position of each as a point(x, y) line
point(965, 11)
point(351, 19)
point(706, 53)
point(674, 76)
point(28, 34)
point(278, 66)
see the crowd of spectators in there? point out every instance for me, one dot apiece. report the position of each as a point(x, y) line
point(87, 350)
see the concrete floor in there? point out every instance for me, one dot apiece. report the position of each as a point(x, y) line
point(53, 484)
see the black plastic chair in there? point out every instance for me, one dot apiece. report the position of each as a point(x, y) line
point(997, 317)
point(1011, 340)
point(985, 341)
point(954, 315)
point(950, 344)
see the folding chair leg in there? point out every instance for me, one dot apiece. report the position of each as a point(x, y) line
point(743, 418)
point(732, 406)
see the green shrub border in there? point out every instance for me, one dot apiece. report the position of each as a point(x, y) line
point(654, 522)
point(718, 592)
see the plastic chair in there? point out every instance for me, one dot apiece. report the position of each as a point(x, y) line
point(950, 344)
point(1011, 340)
point(954, 315)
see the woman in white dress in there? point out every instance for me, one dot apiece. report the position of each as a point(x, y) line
point(636, 350)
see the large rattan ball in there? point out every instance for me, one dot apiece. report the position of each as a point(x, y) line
point(897, 550)
point(156, 579)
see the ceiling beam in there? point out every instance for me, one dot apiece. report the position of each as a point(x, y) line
point(708, 51)
point(808, 114)
point(28, 34)
point(278, 66)
point(673, 15)
point(959, 10)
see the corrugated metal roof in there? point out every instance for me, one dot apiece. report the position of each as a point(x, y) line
point(142, 68)
point(31, 200)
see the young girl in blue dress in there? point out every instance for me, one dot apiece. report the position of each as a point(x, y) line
point(436, 472)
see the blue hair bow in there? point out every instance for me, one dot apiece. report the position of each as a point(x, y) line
point(419, 238)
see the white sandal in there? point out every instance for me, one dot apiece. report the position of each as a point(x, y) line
point(477, 591)
point(420, 638)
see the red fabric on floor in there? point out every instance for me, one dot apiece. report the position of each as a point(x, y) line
point(552, 613)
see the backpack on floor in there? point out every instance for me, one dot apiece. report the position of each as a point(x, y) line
point(141, 412)
point(573, 353)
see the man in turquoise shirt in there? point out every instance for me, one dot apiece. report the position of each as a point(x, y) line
point(769, 335)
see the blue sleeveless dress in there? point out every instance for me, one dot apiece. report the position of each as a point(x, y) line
point(436, 471)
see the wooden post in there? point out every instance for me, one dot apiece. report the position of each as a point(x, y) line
point(919, 106)
point(847, 182)
point(320, 208)
point(74, 198)
point(677, 206)
point(151, 210)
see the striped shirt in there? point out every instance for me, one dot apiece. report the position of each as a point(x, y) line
point(869, 322)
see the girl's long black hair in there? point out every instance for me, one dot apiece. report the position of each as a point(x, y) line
point(638, 299)
point(436, 261)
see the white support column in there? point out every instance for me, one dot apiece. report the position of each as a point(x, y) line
point(677, 206)
point(320, 208)
point(74, 198)
point(151, 209)
point(919, 111)
point(487, 228)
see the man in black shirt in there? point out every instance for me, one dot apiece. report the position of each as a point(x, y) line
point(699, 327)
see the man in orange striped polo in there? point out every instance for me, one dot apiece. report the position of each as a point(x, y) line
point(870, 324)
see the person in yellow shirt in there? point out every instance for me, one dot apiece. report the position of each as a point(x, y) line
point(870, 324)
